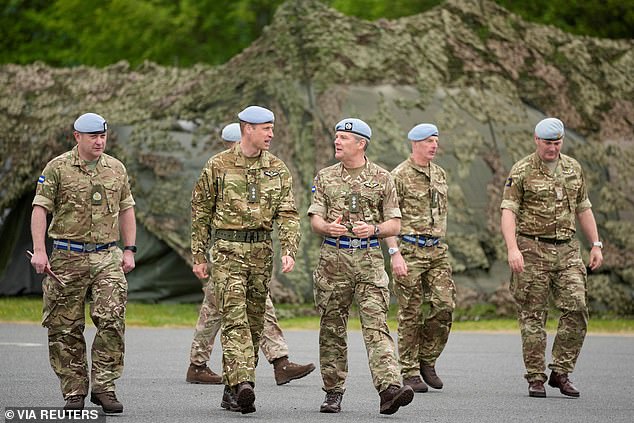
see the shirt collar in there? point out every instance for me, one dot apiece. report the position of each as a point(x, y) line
point(264, 160)
point(78, 161)
point(364, 172)
point(426, 170)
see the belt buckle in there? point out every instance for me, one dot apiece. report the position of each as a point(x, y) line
point(355, 243)
point(429, 242)
point(90, 247)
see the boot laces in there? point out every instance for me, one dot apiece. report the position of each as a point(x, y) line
point(332, 397)
point(111, 396)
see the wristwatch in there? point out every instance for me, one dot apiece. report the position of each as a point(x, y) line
point(130, 248)
point(392, 250)
point(597, 244)
point(376, 229)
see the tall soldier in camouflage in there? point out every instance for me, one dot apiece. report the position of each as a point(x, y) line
point(273, 344)
point(88, 194)
point(421, 264)
point(543, 194)
point(240, 194)
point(355, 204)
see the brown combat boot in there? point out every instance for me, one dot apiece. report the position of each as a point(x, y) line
point(416, 383)
point(245, 397)
point(108, 402)
point(229, 401)
point(202, 374)
point(430, 377)
point(536, 389)
point(332, 403)
point(561, 381)
point(395, 397)
point(74, 402)
point(285, 370)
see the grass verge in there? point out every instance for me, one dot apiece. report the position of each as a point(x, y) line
point(29, 310)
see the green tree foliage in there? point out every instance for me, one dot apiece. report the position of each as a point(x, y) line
point(597, 18)
point(376, 9)
point(186, 32)
point(99, 33)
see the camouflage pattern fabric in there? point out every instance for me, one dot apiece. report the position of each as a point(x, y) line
point(422, 198)
point(373, 189)
point(207, 326)
point(272, 343)
point(241, 272)
point(556, 269)
point(422, 194)
point(545, 204)
point(85, 203)
point(101, 276)
point(344, 275)
point(219, 200)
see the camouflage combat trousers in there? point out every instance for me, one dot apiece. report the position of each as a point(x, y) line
point(428, 280)
point(559, 270)
point(272, 343)
point(101, 277)
point(340, 277)
point(241, 273)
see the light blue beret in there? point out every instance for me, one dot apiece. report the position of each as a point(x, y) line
point(356, 126)
point(550, 129)
point(422, 131)
point(256, 114)
point(90, 123)
point(231, 132)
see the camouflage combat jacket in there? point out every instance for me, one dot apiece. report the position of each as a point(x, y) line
point(231, 194)
point(85, 203)
point(545, 203)
point(370, 197)
point(422, 195)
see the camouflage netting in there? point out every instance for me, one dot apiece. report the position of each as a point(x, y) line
point(483, 75)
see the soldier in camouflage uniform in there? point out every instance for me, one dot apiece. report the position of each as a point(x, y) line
point(240, 194)
point(272, 343)
point(88, 194)
point(543, 194)
point(421, 264)
point(354, 204)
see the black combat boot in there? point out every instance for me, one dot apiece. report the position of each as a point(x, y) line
point(245, 397)
point(332, 403)
point(229, 401)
